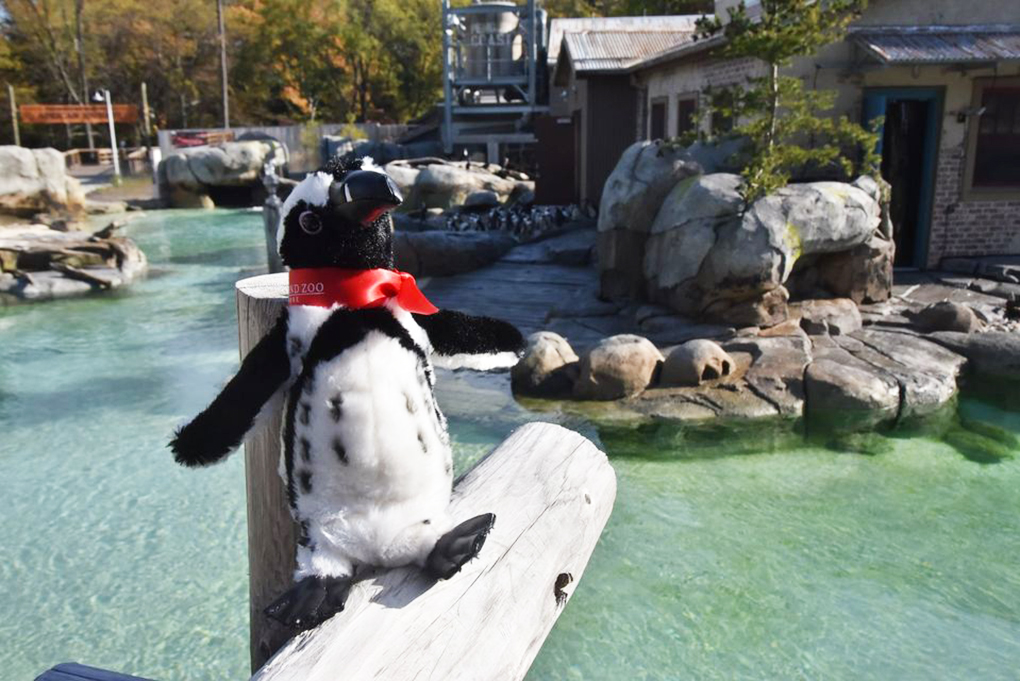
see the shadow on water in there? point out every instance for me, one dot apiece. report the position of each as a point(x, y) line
point(975, 438)
point(673, 440)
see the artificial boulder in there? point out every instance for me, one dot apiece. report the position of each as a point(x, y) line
point(481, 200)
point(36, 181)
point(631, 197)
point(404, 176)
point(946, 316)
point(548, 369)
point(994, 354)
point(838, 316)
point(441, 253)
point(619, 366)
point(444, 185)
point(38, 263)
point(193, 178)
point(706, 258)
point(842, 395)
point(694, 363)
point(863, 273)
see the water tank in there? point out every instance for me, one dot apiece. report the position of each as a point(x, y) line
point(490, 38)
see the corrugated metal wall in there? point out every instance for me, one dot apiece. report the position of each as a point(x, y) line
point(611, 111)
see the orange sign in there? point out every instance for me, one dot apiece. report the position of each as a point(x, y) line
point(50, 114)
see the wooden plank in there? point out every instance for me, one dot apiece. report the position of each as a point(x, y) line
point(72, 671)
point(552, 492)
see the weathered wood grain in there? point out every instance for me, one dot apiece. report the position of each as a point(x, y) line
point(272, 535)
point(552, 492)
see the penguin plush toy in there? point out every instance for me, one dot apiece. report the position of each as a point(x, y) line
point(366, 455)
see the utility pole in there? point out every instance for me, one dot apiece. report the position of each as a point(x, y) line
point(146, 123)
point(79, 7)
point(105, 95)
point(14, 114)
point(223, 64)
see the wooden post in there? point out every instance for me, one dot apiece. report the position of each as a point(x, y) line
point(552, 492)
point(14, 115)
point(272, 535)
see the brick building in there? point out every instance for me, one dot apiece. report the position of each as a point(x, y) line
point(944, 74)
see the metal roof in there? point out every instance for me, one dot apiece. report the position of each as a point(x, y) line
point(559, 27)
point(592, 51)
point(940, 44)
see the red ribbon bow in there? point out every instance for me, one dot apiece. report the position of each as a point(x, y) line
point(356, 289)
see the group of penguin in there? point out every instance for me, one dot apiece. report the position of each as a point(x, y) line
point(366, 455)
point(527, 223)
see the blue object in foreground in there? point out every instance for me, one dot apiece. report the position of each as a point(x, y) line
point(72, 671)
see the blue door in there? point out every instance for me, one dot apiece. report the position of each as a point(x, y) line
point(908, 142)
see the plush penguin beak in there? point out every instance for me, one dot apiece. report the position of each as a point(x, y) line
point(363, 196)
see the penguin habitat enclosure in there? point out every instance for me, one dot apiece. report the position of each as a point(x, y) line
point(730, 553)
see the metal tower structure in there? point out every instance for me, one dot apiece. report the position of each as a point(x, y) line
point(494, 74)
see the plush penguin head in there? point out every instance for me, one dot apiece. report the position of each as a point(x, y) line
point(338, 216)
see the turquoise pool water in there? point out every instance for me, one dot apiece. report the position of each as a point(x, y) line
point(724, 559)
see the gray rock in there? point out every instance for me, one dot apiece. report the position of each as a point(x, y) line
point(447, 185)
point(863, 273)
point(441, 253)
point(574, 248)
point(818, 217)
point(705, 258)
point(187, 175)
point(684, 231)
point(946, 316)
point(645, 173)
point(36, 180)
point(694, 363)
point(776, 373)
point(481, 200)
point(549, 367)
point(926, 372)
point(848, 396)
point(631, 198)
point(404, 176)
point(618, 366)
point(838, 316)
point(37, 263)
point(992, 354)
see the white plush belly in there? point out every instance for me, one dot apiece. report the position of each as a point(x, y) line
point(377, 456)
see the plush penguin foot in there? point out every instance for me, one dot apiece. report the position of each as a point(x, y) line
point(310, 602)
point(458, 546)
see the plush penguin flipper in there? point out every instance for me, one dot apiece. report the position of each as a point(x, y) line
point(461, 341)
point(218, 430)
point(310, 602)
point(461, 544)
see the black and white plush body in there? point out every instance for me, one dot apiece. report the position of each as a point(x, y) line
point(366, 454)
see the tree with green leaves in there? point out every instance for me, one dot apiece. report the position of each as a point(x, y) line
point(785, 125)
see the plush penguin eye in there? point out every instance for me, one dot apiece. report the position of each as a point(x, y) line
point(310, 222)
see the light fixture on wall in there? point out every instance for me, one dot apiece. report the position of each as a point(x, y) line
point(963, 114)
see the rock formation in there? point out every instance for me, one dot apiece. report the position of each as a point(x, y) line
point(675, 236)
point(39, 263)
point(194, 178)
point(36, 181)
